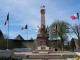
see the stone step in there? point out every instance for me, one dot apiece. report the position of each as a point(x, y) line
point(45, 56)
point(43, 52)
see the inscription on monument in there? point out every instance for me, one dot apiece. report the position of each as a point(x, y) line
point(42, 41)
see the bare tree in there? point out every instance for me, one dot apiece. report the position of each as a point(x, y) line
point(73, 46)
point(76, 31)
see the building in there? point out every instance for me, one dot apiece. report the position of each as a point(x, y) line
point(19, 42)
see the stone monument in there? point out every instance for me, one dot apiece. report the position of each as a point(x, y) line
point(43, 51)
point(43, 35)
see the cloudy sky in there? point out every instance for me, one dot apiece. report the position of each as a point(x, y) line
point(24, 12)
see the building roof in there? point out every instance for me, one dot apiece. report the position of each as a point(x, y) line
point(1, 35)
point(1, 32)
point(19, 37)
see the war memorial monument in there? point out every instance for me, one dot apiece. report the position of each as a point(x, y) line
point(43, 50)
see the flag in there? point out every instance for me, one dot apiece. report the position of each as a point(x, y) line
point(24, 27)
point(75, 16)
point(7, 19)
point(55, 28)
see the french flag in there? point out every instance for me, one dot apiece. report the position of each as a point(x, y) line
point(75, 16)
point(7, 19)
point(55, 28)
point(25, 27)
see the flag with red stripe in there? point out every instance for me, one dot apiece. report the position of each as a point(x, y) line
point(7, 19)
point(24, 27)
point(55, 28)
point(75, 16)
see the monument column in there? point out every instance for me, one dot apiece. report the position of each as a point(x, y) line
point(42, 16)
point(42, 37)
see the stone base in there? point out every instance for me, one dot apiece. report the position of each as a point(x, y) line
point(37, 51)
point(45, 56)
point(42, 49)
point(43, 52)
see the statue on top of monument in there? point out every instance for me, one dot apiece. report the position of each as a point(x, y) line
point(42, 7)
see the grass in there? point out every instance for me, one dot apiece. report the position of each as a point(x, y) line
point(68, 56)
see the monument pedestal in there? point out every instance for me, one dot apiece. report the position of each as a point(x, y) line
point(43, 50)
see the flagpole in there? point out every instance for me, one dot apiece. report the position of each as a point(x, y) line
point(56, 37)
point(8, 35)
point(8, 29)
point(57, 40)
point(78, 16)
point(78, 29)
point(27, 32)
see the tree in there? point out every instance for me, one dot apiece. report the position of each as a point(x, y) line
point(5, 36)
point(72, 44)
point(62, 30)
point(76, 30)
point(31, 38)
point(59, 44)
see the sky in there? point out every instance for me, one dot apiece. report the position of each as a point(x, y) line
point(27, 12)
